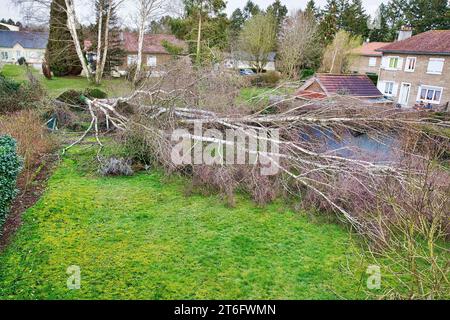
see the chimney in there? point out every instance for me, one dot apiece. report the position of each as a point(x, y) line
point(404, 33)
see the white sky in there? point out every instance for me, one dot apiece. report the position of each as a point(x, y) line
point(9, 10)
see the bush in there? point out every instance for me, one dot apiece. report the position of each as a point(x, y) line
point(269, 78)
point(306, 74)
point(8, 86)
point(10, 166)
point(116, 167)
point(95, 93)
point(34, 141)
point(72, 97)
point(16, 96)
point(22, 61)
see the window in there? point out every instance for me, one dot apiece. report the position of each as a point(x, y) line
point(393, 62)
point(435, 65)
point(18, 54)
point(389, 88)
point(430, 94)
point(151, 61)
point(372, 62)
point(131, 59)
point(33, 55)
point(410, 65)
point(4, 55)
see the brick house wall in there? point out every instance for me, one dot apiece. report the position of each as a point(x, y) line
point(394, 82)
point(360, 64)
point(161, 59)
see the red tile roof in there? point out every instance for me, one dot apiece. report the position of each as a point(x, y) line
point(369, 48)
point(152, 42)
point(310, 95)
point(345, 84)
point(430, 42)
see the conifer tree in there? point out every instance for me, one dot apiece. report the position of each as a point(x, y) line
point(61, 54)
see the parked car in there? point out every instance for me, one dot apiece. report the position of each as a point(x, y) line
point(246, 72)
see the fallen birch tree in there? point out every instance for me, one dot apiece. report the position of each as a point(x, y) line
point(302, 158)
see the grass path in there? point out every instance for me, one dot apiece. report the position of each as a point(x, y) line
point(141, 237)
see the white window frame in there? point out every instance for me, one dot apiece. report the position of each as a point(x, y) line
point(430, 88)
point(408, 62)
point(435, 59)
point(154, 62)
point(388, 67)
point(372, 61)
point(385, 91)
point(4, 55)
point(131, 59)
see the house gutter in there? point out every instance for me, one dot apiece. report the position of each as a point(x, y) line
point(417, 52)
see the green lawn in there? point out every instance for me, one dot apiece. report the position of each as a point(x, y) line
point(141, 237)
point(57, 85)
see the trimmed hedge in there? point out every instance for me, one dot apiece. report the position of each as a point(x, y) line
point(10, 166)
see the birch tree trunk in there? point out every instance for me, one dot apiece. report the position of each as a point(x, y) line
point(72, 25)
point(105, 49)
point(99, 43)
point(103, 36)
point(140, 48)
point(199, 38)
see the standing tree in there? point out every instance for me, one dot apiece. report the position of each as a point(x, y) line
point(396, 16)
point(279, 11)
point(338, 54)
point(379, 29)
point(146, 10)
point(424, 15)
point(298, 45)
point(237, 20)
point(61, 55)
point(202, 9)
point(311, 9)
point(354, 19)
point(109, 47)
point(250, 10)
point(257, 39)
point(329, 23)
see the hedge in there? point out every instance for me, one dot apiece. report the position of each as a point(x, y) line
point(10, 166)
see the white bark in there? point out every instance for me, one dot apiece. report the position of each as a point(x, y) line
point(147, 10)
point(72, 25)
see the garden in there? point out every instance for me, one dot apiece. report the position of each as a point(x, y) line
point(137, 227)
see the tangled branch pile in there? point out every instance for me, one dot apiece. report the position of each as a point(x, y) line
point(377, 167)
point(317, 154)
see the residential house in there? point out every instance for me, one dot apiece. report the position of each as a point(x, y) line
point(366, 59)
point(17, 44)
point(326, 85)
point(154, 52)
point(416, 70)
point(242, 60)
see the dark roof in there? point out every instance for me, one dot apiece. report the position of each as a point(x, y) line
point(435, 42)
point(28, 40)
point(345, 84)
point(152, 42)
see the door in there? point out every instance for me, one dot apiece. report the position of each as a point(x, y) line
point(405, 89)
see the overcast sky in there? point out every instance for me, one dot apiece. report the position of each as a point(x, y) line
point(9, 10)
